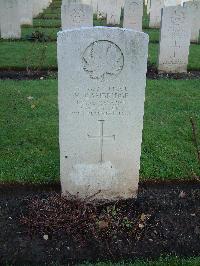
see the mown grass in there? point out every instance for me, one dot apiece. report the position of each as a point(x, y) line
point(24, 54)
point(168, 261)
point(51, 32)
point(29, 131)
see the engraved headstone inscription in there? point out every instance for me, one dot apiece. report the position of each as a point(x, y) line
point(174, 40)
point(75, 14)
point(102, 77)
point(133, 11)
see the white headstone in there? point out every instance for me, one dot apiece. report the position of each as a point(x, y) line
point(75, 14)
point(174, 40)
point(133, 12)
point(114, 12)
point(94, 6)
point(102, 77)
point(148, 7)
point(10, 20)
point(155, 13)
point(1, 9)
point(26, 12)
point(39, 6)
point(169, 3)
point(194, 11)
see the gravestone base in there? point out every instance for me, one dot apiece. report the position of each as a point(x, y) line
point(172, 69)
point(97, 181)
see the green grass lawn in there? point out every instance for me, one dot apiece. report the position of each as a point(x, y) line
point(169, 261)
point(29, 131)
point(26, 54)
point(50, 33)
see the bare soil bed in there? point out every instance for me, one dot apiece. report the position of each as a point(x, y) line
point(152, 73)
point(39, 227)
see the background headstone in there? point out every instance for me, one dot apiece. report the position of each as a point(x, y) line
point(102, 77)
point(194, 12)
point(148, 7)
point(155, 13)
point(39, 6)
point(26, 12)
point(133, 12)
point(113, 12)
point(174, 40)
point(75, 14)
point(10, 20)
point(170, 3)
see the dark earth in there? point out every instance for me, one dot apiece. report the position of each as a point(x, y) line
point(39, 227)
point(31, 74)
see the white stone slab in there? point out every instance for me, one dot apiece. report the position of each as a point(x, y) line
point(26, 12)
point(133, 12)
point(155, 13)
point(194, 12)
point(1, 9)
point(39, 6)
point(169, 3)
point(114, 12)
point(174, 40)
point(148, 7)
point(102, 77)
point(95, 6)
point(75, 14)
point(10, 20)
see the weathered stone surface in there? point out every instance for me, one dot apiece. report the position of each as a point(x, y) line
point(174, 40)
point(172, 2)
point(155, 13)
point(75, 14)
point(194, 12)
point(102, 77)
point(133, 12)
point(95, 6)
point(114, 12)
point(10, 20)
point(148, 6)
point(39, 6)
point(26, 12)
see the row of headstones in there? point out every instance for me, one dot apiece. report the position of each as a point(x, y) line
point(133, 11)
point(154, 8)
point(177, 24)
point(79, 13)
point(14, 13)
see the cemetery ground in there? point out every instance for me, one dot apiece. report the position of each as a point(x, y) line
point(39, 227)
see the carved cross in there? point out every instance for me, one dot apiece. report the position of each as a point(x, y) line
point(101, 138)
